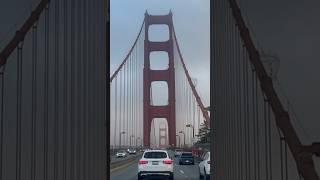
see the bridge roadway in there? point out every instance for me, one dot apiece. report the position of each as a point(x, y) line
point(181, 172)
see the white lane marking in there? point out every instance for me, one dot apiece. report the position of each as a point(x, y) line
point(181, 172)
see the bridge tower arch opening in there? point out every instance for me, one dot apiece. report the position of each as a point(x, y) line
point(158, 111)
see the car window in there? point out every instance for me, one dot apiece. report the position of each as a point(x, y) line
point(205, 156)
point(186, 154)
point(155, 155)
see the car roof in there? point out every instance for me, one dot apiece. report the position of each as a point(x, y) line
point(156, 150)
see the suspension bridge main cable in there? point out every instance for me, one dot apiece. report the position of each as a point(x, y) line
point(204, 112)
point(128, 55)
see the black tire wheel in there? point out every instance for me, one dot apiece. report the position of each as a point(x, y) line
point(206, 176)
point(139, 177)
point(171, 177)
point(200, 176)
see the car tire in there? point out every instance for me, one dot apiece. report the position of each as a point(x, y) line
point(200, 176)
point(139, 177)
point(171, 176)
point(206, 176)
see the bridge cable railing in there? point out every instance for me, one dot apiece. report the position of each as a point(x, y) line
point(191, 115)
point(126, 97)
point(53, 93)
point(253, 135)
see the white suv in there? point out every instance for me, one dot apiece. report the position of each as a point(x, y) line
point(204, 167)
point(155, 163)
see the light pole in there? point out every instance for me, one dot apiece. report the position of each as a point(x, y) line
point(122, 132)
point(138, 138)
point(132, 136)
point(191, 126)
point(184, 138)
point(178, 139)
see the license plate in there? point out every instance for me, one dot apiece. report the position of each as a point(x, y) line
point(155, 163)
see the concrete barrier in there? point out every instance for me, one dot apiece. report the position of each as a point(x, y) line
point(123, 163)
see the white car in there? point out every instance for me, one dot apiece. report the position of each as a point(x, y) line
point(204, 167)
point(121, 153)
point(155, 163)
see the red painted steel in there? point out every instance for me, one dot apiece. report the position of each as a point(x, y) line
point(164, 129)
point(21, 33)
point(193, 88)
point(149, 111)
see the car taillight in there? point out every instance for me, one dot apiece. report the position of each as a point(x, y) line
point(208, 162)
point(167, 161)
point(143, 162)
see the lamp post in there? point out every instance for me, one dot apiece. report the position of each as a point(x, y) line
point(132, 136)
point(191, 126)
point(138, 138)
point(184, 138)
point(178, 139)
point(122, 132)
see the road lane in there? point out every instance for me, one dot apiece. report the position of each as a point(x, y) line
point(181, 172)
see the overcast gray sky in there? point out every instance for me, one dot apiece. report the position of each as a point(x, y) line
point(191, 21)
point(291, 29)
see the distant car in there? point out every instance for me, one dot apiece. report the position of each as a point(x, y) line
point(204, 167)
point(131, 151)
point(121, 153)
point(186, 158)
point(177, 152)
point(155, 163)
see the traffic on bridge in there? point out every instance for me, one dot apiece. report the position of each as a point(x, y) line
point(183, 100)
point(153, 88)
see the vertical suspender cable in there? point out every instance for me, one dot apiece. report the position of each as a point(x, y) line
point(85, 90)
point(266, 137)
point(56, 91)
point(18, 125)
point(34, 101)
point(269, 137)
point(115, 110)
point(72, 104)
point(257, 128)
point(65, 86)
point(79, 116)
point(121, 104)
point(254, 123)
point(2, 117)
point(46, 95)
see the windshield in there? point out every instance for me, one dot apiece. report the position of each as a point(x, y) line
point(186, 155)
point(121, 151)
point(155, 155)
point(178, 150)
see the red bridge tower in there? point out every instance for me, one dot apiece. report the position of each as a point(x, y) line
point(168, 111)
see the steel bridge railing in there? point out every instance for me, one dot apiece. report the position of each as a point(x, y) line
point(253, 133)
point(53, 94)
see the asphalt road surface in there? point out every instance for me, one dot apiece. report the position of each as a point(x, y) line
point(181, 172)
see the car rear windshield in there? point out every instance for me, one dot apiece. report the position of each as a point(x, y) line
point(155, 155)
point(186, 154)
